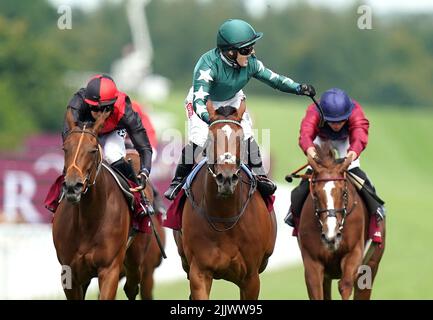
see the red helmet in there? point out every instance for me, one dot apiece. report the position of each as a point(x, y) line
point(101, 90)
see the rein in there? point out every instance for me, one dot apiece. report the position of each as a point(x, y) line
point(330, 212)
point(213, 219)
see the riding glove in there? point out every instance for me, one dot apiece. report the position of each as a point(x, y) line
point(306, 90)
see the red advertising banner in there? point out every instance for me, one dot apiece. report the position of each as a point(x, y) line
point(26, 176)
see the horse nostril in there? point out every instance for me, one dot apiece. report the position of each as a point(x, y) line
point(73, 187)
point(235, 178)
point(219, 178)
point(339, 236)
point(323, 237)
point(79, 186)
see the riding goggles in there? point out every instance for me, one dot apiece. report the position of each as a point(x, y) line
point(100, 108)
point(246, 50)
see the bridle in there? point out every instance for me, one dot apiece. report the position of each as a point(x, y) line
point(233, 220)
point(332, 212)
point(209, 165)
point(96, 168)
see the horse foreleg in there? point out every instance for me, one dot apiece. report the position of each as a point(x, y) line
point(131, 285)
point(84, 288)
point(75, 292)
point(314, 274)
point(146, 285)
point(349, 267)
point(364, 283)
point(250, 288)
point(200, 283)
point(327, 285)
point(108, 281)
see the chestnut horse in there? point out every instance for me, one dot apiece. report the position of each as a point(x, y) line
point(227, 231)
point(333, 229)
point(90, 228)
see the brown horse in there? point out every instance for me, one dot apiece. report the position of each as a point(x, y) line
point(143, 252)
point(227, 231)
point(90, 228)
point(333, 229)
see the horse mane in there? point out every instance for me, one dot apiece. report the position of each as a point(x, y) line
point(326, 154)
point(88, 124)
point(226, 111)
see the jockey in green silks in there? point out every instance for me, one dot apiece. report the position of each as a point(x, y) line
point(220, 75)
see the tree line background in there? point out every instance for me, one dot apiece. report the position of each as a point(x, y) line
point(391, 64)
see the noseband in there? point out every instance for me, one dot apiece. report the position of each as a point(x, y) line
point(99, 162)
point(332, 212)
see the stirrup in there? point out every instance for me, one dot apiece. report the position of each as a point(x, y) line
point(147, 209)
point(380, 213)
point(173, 190)
point(289, 219)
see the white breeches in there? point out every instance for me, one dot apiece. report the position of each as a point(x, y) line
point(113, 145)
point(198, 129)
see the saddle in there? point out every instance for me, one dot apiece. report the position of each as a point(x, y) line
point(132, 198)
point(123, 183)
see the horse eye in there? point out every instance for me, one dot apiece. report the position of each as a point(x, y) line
point(93, 151)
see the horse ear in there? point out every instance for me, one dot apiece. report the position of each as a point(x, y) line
point(314, 163)
point(210, 110)
point(70, 119)
point(99, 123)
point(241, 110)
point(345, 165)
point(331, 153)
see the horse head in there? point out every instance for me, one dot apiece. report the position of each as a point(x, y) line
point(329, 191)
point(83, 156)
point(225, 147)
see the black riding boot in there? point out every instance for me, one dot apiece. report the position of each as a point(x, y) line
point(265, 186)
point(297, 199)
point(374, 204)
point(125, 168)
point(186, 163)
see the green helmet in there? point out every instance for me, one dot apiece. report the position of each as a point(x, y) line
point(235, 34)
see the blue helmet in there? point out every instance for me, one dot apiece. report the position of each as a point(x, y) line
point(336, 105)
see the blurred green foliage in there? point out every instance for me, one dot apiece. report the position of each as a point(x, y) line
point(390, 64)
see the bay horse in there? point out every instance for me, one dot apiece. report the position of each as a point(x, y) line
point(227, 231)
point(143, 252)
point(91, 225)
point(333, 228)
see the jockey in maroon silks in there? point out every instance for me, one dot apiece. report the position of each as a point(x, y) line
point(346, 127)
point(101, 95)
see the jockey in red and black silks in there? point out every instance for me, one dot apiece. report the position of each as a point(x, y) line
point(346, 127)
point(101, 93)
point(86, 105)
